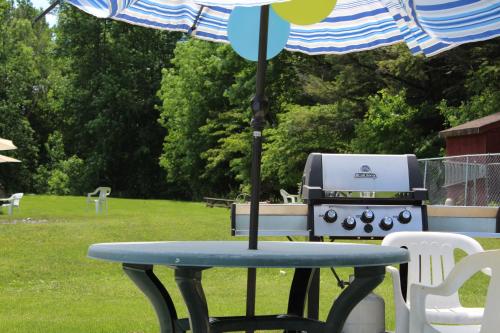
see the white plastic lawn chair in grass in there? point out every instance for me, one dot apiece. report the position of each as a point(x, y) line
point(12, 202)
point(101, 202)
point(432, 257)
point(463, 271)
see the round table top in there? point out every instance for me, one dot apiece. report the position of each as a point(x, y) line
point(237, 254)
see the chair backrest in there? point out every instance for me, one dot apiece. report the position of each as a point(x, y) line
point(286, 196)
point(432, 257)
point(104, 192)
point(462, 272)
point(16, 198)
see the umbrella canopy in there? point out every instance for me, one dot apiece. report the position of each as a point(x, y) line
point(6, 144)
point(7, 159)
point(426, 26)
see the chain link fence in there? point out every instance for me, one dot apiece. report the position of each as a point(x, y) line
point(468, 180)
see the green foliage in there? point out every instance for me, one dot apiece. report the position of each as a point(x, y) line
point(483, 87)
point(192, 93)
point(381, 101)
point(205, 110)
point(478, 106)
point(24, 70)
point(55, 149)
point(392, 126)
point(67, 177)
point(387, 121)
point(303, 130)
point(60, 175)
point(110, 74)
point(58, 182)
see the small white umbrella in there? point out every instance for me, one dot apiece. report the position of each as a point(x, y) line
point(6, 144)
point(7, 159)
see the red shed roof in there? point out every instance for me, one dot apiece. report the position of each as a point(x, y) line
point(473, 127)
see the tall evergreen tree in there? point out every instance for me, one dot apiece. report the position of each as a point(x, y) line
point(112, 73)
point(25, 67)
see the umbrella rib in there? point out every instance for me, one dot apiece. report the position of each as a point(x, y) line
point(196, 19)
point(46, 11)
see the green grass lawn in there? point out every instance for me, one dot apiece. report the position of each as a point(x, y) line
point(47, 284)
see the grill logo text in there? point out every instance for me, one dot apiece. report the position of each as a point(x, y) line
point(365, 172)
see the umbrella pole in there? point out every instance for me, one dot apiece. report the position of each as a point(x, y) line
point(259, 107)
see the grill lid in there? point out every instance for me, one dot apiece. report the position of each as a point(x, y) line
point(342, 175)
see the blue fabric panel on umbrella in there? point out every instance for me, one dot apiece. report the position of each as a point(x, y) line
point(426, 26)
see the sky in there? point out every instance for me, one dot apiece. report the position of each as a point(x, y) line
point(44, 4)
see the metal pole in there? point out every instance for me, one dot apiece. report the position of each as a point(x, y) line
point(466, 179)
point(425, 174)
point(251, 291)
point(259, 107)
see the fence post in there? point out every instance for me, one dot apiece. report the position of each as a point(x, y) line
point(466, 179)
point(425, 173)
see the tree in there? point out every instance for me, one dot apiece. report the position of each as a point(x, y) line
point(193, 96)
point(302, 130)
point(482, 88)
point(111, 72)
point(391, 126)
point(206, 111)
point(24, 70)
point(60, 175)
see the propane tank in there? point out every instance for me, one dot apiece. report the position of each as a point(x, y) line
point(368, 316)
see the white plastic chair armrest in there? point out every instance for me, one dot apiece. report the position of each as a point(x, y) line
point(9, 199)
point(93, 193)
point(462, 271)
point(402, 310)
point(396, 285)
point(472, 247)
point(418, 320)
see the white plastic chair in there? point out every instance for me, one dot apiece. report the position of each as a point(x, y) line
point(460, 274)
point(289, 198)
point(12, 202)
point(101, 201)
point(432, 257)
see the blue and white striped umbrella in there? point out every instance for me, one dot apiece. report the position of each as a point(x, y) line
point(426, 26)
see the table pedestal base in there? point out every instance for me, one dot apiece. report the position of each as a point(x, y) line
point(151, 286)
point(189, 282)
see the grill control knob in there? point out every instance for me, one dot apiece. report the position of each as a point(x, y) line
point(330, 216)
point(404, 217)
point(349, 223)
point(367, 216)
point(386, 223)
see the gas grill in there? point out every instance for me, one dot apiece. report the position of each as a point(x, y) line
point(363, 196)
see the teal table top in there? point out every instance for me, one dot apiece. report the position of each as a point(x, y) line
point(237, 254)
